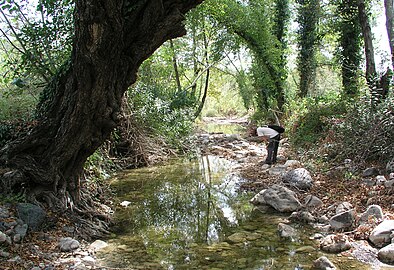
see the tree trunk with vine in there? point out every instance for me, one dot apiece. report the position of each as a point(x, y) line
point(81, 105)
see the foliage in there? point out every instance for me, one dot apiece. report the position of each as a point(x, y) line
point(309, 119)
point(366, 132)
point(350, 43)
point(37, 41)
point(308, 37)
point(156, 114)
point(254, 24)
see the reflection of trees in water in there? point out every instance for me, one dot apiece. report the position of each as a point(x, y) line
point(181, 203)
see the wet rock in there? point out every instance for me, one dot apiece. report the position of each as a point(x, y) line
point(312, 202)
point(370, 172)
point(97, 245)
point(258, 198)
point(238, 237)
point(281, 198)
point(302, 216)
point(299, 178)
point(381, 235)
point(286, 231)
point(386, 254)
point(335, 243)
point(343, 220)
point(305, 249)
point(68, 244)
point(373, 212)
point(33, 215)
point(323, 263)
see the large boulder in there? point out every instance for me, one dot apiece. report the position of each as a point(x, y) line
point(381, 235)
point(281, 198)
point(32, 215)
point(299, 178)
point(386, 254)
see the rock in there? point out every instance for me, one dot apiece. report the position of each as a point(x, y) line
point(292, 163)
point(313, 202)
point(258, 198)
point(17, 238)
point(391, 176)
point(281, 198)
point(373, 211)
point(286, 231)
point(238, 237)
point(299, 178)
point(4, 212)
point(305, 249)
point(380, 180)
point(33, 215)
point(390, 166)
point(323, 263)
point(97, 245)
point(343, 207)
point(370, 172)
point(335, 243)
point(21, 230)
point(389, 184)
point(125, 203)
point(3, 237)
point(323, 219)
point(386, 254)
point(68, 244)
point(277, 170)
point(343, 220)
point(302, 216)
point(381, 235)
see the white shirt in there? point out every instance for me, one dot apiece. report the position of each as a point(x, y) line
point(266, 131)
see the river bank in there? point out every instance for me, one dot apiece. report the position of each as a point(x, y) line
point(60, 246)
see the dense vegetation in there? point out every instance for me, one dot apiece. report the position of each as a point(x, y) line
point(297, 62)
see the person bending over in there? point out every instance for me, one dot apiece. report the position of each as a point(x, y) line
point(273, 138)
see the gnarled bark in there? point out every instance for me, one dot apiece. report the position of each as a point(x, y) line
point(112, 39)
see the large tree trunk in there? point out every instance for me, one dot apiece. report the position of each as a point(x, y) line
point(388, 4)
point(112, 39)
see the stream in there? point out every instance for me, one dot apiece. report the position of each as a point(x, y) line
point(189, 214)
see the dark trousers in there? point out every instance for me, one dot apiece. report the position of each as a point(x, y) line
point(272, 149)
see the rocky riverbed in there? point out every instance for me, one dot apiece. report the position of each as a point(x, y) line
point(353, 214)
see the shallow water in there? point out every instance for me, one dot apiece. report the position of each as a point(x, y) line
point(189, 215)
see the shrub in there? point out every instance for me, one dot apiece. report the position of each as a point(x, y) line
point(366, 133)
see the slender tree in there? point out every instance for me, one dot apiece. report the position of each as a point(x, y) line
point(370, 72)
point(388, 5)
point(80, 107)
point(350, 45)
point(308, 20)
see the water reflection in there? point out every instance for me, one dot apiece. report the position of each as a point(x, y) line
point(189, 215)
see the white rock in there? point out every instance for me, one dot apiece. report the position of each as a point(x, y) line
point(125, 203)
point(258, 198)
point(381, 235)
point(323, 263)
point(97, 245)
